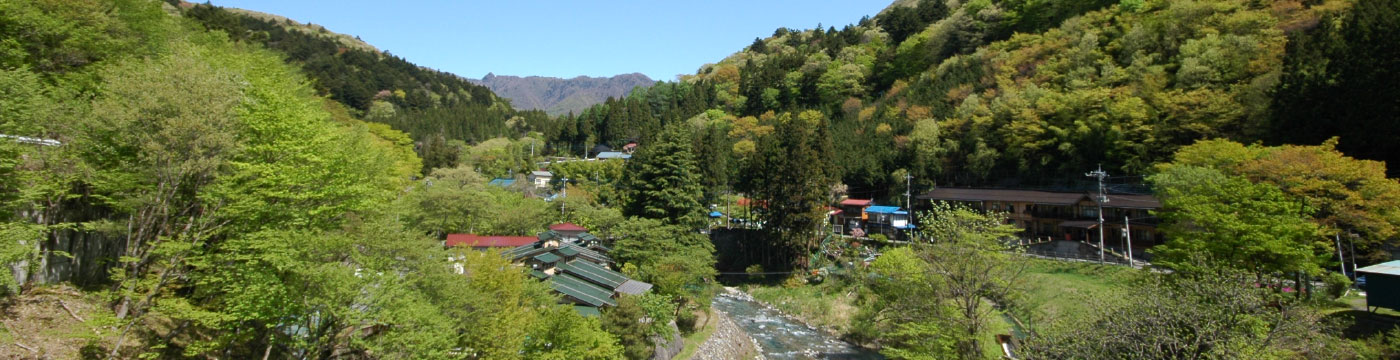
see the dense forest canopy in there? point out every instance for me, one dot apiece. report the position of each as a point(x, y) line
point(1034, 93)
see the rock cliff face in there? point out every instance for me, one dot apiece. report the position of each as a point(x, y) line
point(728, 342)
point(667, 349)
point(559, 96)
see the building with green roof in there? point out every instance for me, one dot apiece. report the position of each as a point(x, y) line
point(576, 265)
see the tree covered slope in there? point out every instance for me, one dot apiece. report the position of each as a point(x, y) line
point(1035, 92)
point(381, 87)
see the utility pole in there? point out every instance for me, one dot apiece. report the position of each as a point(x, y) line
point(1351, 243)
point(908, 188)
point(1340, 259)
point(1100, 175)
point(1128, 235)
point(722, 197)
point(563, 194)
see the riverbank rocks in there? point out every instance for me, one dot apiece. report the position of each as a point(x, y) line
point(728, 342)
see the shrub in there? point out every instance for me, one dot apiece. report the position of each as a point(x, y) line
point(1337, 284)
point(795, 281)
point(686, 320)
point(755, 271)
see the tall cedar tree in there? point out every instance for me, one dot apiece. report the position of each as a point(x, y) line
point(797, 174)
point(661, 182)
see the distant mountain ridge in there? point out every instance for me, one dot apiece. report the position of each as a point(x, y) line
point(558, 96)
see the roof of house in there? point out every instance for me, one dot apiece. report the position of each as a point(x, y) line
point(581, 290)
point(613, 155)
point(536, 248)
point(594, 273)
point(633, 287)
point(855, 202)
point(501, 182)
point(542, 173)
point(1031, 196)
point(743, 201)
point(487, 241)
point(1133, 201)
point(1040, 197)
point(1386, 268)
point(567, 227)
point(882, 209)
point(587, 311)
point(715, 214)
point(547, 258)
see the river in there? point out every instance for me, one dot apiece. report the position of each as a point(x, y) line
point(781, 337)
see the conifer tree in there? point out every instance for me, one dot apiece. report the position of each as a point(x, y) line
point(660, 182)
point(795, 163)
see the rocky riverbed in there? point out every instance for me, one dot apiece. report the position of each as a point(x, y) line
point(779, 336)
point(728, 342)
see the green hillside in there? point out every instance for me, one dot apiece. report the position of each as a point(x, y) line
point(1033, 93)
point(432, 106)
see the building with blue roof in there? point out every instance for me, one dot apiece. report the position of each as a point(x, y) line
point(862, 217)
point(613, 155)
point(891, 221)
point(502, 182)
point(1382, 285)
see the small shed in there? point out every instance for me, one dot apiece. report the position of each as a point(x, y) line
point(1382, 285)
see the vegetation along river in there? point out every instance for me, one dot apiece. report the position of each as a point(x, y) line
point(781, 337)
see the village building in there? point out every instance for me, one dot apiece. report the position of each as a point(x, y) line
point(576, 265)
point(613, 155)
point(1382, 285)
point(862, 218)
point(541, 178)
point(1071, 216)
point(501, 182)
point(483, 242)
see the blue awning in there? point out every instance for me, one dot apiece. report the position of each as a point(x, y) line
point(882, 209)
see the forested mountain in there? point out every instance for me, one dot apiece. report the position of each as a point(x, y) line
point(430, 105)
point(1034, 93)
point(560, 96)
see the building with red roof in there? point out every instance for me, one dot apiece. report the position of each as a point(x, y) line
point(567, 227)
point(480, 242)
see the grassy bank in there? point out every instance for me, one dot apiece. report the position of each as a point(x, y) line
point(1066, 290)
point(693, 341)
point(828, 305)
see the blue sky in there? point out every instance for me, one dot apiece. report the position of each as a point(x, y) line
point(659, 38)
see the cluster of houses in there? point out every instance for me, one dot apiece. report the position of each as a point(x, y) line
point(539, 179)
point(862, 218)
point(574, 263)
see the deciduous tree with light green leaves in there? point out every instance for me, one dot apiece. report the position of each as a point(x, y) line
point(1233, 222)
point(1347, 195)
point(942, 286)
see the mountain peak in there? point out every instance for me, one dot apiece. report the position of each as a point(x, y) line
point(558, 96)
